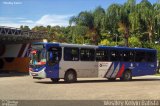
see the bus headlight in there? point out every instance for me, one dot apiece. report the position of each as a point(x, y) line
point(39, 74)
point(42, 73)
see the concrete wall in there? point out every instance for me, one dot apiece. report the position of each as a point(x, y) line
point(14, 57)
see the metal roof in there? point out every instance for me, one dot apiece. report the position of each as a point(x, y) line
point(16, 35)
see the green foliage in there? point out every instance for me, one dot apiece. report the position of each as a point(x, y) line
point(104, 42)
point(26, 28)
point(134, 42)
point(157, 74)
point(157, 47)
point(130, 24)
point(78, 34)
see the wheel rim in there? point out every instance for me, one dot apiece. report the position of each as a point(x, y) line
point(70, 77)
point(127, 75)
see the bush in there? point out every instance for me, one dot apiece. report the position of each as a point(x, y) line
point(134, 42)
point(104, 42)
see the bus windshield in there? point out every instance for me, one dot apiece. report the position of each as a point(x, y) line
point(38, 57)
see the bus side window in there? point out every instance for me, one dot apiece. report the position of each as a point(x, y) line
point(140, 56)
point(87, 54)
point(71, 54)
point(128, 56)
point(101, 55)
point(150, 56)
point(115, 55)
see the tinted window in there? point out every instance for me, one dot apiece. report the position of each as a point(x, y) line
point(115, 55)
point(54, 55)
point(140, 56)
point(71, 54)
point(87, 54)
point(150, 56)
point(101, 55)
point(128, 56)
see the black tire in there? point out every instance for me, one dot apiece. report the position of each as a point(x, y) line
point(70, 76)
point(55, 80)
point(111, 79)
point(127, 76)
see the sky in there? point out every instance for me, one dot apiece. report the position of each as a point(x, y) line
point(14, 13)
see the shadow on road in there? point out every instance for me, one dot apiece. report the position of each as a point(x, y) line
point(97, 81)
point(12, 74)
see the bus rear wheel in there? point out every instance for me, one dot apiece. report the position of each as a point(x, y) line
point(127, 76)
point(70, 76)
point(55, 80)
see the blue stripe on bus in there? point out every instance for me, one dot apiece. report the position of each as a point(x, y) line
point(138, 69)
point(52, 71)
point(38, 69)
point(48, 45)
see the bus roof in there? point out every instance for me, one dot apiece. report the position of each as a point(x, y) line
point(93, 46)
point(127, 48)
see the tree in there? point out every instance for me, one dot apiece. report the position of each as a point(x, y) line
point(85, 19)
point(123, 24)
point(134, 42)
point(99, 23)
point(39, 28)
point(119, 15)
point(148, 16)
point(112, 18)
point(26, 28)
point(157, 20)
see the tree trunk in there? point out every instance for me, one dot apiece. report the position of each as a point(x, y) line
point(126, 42)
point(150, 37)
point(126, 36)
point(150, 33)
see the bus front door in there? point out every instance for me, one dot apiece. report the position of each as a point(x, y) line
point(52, 67)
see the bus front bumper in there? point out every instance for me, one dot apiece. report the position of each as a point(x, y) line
point(38, 75)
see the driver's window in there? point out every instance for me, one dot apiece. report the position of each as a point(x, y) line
point(54, 55)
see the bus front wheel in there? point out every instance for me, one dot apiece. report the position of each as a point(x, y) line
point(55, 80)
point(70, 76)
point(127, 76)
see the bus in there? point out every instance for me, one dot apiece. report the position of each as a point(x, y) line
point(71, 61)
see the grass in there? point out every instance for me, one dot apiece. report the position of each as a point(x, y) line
point(157, 74)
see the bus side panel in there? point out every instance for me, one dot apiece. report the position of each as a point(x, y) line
point(83, 69)
point(52, 71)
point(138, 69)
point(110, 69)
point(144, 68)
point(103, 68)
point(116, 69)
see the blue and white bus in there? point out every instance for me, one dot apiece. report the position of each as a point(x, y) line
point(71, 61)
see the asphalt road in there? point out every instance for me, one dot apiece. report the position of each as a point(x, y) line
point(26, 88)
